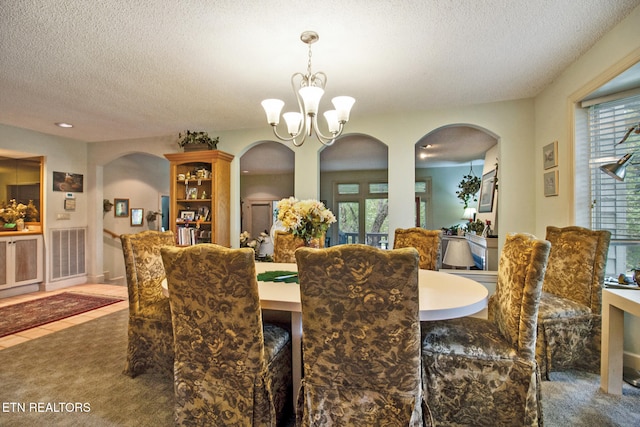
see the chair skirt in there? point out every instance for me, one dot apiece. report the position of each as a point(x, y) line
point(472, 376)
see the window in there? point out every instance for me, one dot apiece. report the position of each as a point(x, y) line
point(348, 188)
point(363, 218)
point(423, 215)
point(615, 205)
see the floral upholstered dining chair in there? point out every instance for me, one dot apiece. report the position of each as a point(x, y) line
point(483, 372)
point(285, 244)
point(569, 321)
point(150, 343)
point(361, 346)
point(427, 242)
point(231, 369)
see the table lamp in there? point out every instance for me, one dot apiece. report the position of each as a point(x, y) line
point(458, 254)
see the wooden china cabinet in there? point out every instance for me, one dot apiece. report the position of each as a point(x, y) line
point(200, 194)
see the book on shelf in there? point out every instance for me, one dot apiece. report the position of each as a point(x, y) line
point(187, 236)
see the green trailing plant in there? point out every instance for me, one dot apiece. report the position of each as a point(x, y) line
point(469, 187)
point(189, 137)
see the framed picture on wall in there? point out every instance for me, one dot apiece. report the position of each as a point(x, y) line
point(487, 190)
point(551, 183)
point(550, 155)
point(121, 208)
point(137, 216)
point(68, 182)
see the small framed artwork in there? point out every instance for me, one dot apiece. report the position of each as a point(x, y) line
point(551, 183)
point(137, 215)
point(121, 208)
point(487, 191)
point(550, 155)
point(188, 215)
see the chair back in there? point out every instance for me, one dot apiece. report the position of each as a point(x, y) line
point(361, 346)
point(521, 271)
point(218, 335)
point(427, 242)
point(286, 243)
point(143, 266)
point(577, 264)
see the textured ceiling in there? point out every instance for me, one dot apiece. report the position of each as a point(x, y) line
point(120, 70)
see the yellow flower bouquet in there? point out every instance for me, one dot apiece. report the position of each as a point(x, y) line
point(307, 219)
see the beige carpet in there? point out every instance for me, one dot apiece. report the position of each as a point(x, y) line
point(74, 378)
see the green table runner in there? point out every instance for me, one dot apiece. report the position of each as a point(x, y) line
point(278, 276)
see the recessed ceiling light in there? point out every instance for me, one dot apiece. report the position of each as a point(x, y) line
point(424, 147)
point(245, 171)
point(64, 125)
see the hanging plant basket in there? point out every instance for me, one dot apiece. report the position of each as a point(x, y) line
point(469, 188)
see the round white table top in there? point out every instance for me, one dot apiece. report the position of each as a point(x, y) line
point(442, 295)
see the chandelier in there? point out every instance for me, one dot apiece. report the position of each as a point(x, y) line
point(309, 89)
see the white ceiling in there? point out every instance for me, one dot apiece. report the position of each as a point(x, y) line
point(134, 69)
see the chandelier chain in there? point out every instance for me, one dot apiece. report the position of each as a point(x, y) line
point(309, 63)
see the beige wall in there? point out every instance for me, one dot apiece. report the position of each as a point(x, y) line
point(512, 122)
point(554, 108)
point(554, 113)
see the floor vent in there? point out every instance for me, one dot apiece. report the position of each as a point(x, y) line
point(68, 253)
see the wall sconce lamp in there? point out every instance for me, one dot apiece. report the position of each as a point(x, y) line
point(618, 169)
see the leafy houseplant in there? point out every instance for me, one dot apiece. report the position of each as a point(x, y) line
point(477, 226)
point(469, 187)
point(194, 140)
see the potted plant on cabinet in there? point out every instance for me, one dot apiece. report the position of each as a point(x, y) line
point(195, 141)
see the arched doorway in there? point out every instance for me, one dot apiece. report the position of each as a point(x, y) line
point(354, 185)
point(443, 158)
point(266, 176)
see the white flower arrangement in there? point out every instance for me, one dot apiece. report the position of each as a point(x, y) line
point(307, 219)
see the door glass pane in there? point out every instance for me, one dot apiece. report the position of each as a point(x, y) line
point(348, 222)
point(377, 222)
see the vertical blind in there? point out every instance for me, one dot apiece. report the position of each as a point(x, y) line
point(615, 204)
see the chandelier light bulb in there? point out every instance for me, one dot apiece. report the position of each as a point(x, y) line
point(293, 120)
point(343, 106)
point(272, 108)
point(332, 121)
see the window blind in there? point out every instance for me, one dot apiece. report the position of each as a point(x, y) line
point(615, 204)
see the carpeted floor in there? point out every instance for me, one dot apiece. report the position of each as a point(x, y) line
point(26, 315)
point(74, 378)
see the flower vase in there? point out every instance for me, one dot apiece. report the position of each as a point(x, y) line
point(20, 224)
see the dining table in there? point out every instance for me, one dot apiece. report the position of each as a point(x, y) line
point(442, 296)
